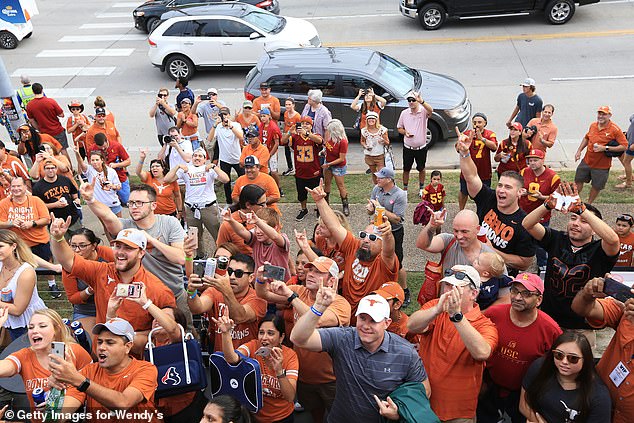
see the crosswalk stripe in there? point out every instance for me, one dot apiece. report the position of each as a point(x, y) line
point(109, 25)
point(69, 92)
point(70, 71)
point(109, 15)
point(104, 37)
point(87, 52)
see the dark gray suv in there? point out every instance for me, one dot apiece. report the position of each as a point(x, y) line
point(341, 72)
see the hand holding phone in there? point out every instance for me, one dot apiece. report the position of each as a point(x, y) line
point(128, 290)
point(617, 290)
point(58, 349)
point(275, 273)
point(263, 351)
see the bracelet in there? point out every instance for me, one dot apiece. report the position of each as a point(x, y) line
point(189, 259)
point(317, 312)
point(88, 292)
point(59, 240)
point(192, 295)
point(92, 200)
point(547, 206)
point(465, 156)
point(260, 282)
point(147, 305)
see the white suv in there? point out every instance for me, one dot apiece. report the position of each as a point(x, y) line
point(224, 35)
point(11, 34)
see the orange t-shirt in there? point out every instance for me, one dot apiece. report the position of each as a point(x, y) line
point(275, 406)
point(548, 131)
point(227, 234)
point(360, 278)
point(139, 374)
point(263, 180)
point(272, 102)
point(449, 364)
point(112, 134)
point(289, 122)
point(165, 203)
point(399, 326)
point(32, 208)
point(78, 131)
point(104, 254)
point(620, 350)
point(595, 135)
point(627, 245)
point(244, 123)
point(14, 167)
point(34, 375)
point(103, 279)
point(242, 332)
point(317, 366)
point(261, 152)
point(49, 139)
point(186, 129)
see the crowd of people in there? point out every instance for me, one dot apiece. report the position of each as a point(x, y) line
point(492, 340)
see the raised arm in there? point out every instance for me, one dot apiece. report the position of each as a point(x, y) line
point(237, 227)
point(329, 218)
point(304, 333)
point(104, 214)
point(467, 166)
point(59, 247)
point(225, 325)
point(143, 175)
point(427, 239)
point(585, 303)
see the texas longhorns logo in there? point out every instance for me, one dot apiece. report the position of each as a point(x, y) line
point(171, 376)
point(371, 301)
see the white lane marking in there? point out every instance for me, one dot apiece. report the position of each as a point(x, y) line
point(87, 52)
point(324, 18)
point(109, 15)
point(592, 78)
point(69, 92)
point(130, 5)
point(88, 71)
point(104, 37)
point(110, 25)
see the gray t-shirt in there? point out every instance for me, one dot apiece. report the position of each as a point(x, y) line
point(168, 230)
point(361, 374)
point(163, 121)
point(394, 201)
point(208, 112)
point(455, 255)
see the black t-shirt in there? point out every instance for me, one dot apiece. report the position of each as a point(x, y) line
point(557, 405)
point(567, 273)
point(50, 192)
point(505, 231)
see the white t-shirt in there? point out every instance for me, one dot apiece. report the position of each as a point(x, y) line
point(374, 141)
point(175, 159)
point(199, 184)
point(35, 303)
point(109, 198)
point(228, 144)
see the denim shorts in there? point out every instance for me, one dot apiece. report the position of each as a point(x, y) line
point(339, 171)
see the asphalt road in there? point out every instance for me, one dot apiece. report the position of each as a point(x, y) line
point(88, 48)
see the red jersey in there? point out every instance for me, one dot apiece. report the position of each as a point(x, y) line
point(268, 134)
point(625, 255)
point(306, 154)
point(546, 184)
point(481, 154)
point(333, 150)
point(517, 161)
point(436, 196)
point(114, 154)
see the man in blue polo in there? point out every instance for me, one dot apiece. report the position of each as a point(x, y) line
point(369, 361)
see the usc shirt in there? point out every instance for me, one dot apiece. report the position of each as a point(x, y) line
point(436, 196)
point(481, 154)
point(546, 184)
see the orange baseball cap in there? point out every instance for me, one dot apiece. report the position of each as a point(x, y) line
point(536, 153)
point(605, 109)
point(391, 290)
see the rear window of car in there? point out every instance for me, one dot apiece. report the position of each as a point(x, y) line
point(179, 29)
point(282, 83)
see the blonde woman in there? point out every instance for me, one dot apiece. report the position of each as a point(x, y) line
point(18, 283)
point(373, 140)
point(32, 362)
point(336, 147)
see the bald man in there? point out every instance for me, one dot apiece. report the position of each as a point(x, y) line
point(465, 246)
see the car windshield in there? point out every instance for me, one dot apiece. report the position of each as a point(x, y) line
point(396, 75)
point(267, 22)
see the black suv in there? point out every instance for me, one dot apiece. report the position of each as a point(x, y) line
point(433, 13)
point(148, 15)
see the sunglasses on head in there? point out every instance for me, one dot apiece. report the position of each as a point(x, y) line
point(572, 359)
point(239, 272)
point(371, 237)
point(248, 108)
point(460, 276)
point(625, 217)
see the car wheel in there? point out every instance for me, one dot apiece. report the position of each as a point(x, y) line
point(151, 24)
point(433, 133)
point(8, 40)
point(559, 12)
point(178, 65)
point(432, 16)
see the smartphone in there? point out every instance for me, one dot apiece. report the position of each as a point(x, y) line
point(204, 96)
point(58, 349)
point(263, 351)
point(298, 125)
point(129, 290)
point(276, 273)
point(199, 267)
point(41, 149)
point(617, 290)
point(192, 232)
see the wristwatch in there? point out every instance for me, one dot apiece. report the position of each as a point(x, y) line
point(84, 385)
point(292, 297)
point(456, 317)
point(607, 148)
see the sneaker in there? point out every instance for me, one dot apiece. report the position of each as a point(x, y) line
point(54, 291)
point(368, 171)
point(282, 193)
point(289, 172)
point(298, 407)
point(542, 270)
point(420, 193)
point(408, 298)
point(301, 215)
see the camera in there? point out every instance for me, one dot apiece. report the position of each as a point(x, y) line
point(167, 139)
point(41, 149)
point(363, 91)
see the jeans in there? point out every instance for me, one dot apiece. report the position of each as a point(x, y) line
point(124, 192)
point(226, 168)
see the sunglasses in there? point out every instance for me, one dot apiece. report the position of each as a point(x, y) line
point(411, 100)
point(75, 108)
point(248, 108)
point(50, 168)
point(163, 95)
point(101, 115)
point(213, 94)
point(572, 359)
point(625, 217)
point(460, 276)
point(371, 237)
point(239, 272)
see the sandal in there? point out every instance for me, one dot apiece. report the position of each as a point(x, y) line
point(623, 186)
point(621, 177)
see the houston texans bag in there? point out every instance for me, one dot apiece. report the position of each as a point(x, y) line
point(180, 366)
point(242, 381)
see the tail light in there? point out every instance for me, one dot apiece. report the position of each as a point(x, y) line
point(151, 43)
point(264, 4)
point(249, 96)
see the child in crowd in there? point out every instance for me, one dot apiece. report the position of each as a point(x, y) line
point(435, 194)
point(269, 245)
point(495, 284)
point(623, 229)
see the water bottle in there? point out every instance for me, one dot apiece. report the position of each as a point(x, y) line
point(54, 404)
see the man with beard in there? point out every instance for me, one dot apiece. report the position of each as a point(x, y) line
point(129, 249)
point(163, 232)
point(525, 333)
point(370, 260)
point(574, 256)
point(499, 211)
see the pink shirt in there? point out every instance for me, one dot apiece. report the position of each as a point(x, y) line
point(277, 256)
point(416, 124)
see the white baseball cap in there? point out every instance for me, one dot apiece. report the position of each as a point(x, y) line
point(375, 306)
